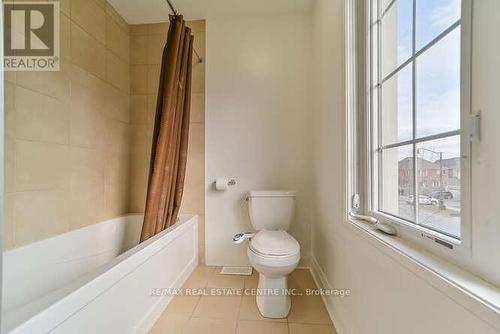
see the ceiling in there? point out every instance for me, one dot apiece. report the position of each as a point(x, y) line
point(151, 11)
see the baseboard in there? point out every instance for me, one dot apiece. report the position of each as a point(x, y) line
point(150, 319)
point(322, 283)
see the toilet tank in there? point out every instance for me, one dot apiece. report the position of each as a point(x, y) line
point(271, 209)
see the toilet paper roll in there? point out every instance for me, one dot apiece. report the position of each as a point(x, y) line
point(221, 183)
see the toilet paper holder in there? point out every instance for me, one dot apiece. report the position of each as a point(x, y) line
point(223, 183)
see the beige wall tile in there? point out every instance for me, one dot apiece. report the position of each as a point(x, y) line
point(39, 117)
point(39, 215)
point(198, 77)
point(51, 161)
point(139, 139)
point(113, 14)
point(55, 187)
point(91, 17)
point(117, 72)
point(87, 201)
point(116, 136)
point(65, 6)
point(87, 128)
point(52, 83)
point(153, 78)
point(116, 198)
point(10, 76)
point(87, 53)
point(65, 36)
point(117, 40)
point(158, 28)
point(86, 168)
point(9, 111)
point(196, 26)
point(116, 186)
point(87, 91)
point(138, 109)
point(152, 107)
point(101, 3)
point(155, 46)
point(196, 139)
point(87, 206)
point(199, 43)
point(197, 108)
point(138, 49)
point(138, 188)
point(194, 187)
point(138, 79)
point(116, 104)
point(138, 29)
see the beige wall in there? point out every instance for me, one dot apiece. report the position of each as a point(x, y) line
point(67, 145)
point(146, 45)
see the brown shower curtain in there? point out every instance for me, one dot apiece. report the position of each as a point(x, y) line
point(171, 131)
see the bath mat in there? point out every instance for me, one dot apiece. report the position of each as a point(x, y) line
point(236, 271)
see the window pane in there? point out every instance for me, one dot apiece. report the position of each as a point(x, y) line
point(397, 182)
point(438, 87)
point(438, 177)
point(434, 17)
point(397, 35)
point(397, 120)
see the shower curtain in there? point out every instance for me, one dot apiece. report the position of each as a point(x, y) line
point(171, 131)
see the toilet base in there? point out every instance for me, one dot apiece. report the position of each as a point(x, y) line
point(273, 300)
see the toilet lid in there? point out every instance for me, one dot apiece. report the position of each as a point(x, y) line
point(274, 243)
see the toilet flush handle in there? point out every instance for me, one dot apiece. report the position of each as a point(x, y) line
point(240, 237)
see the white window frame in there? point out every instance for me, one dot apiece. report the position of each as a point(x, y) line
point(361, 164)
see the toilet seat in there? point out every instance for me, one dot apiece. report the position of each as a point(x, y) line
point(274, 243)
point(274, 248)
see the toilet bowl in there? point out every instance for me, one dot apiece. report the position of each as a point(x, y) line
point(274, 259)
point(272, 251)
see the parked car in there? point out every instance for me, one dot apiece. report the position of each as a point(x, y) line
point(423, 200)
point(441, 194)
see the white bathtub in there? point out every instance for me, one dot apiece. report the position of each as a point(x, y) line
point(96, 279)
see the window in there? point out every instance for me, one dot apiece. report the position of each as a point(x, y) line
point(415, 114)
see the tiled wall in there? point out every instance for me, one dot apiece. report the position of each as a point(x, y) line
point(67, 132)
point(146, 45)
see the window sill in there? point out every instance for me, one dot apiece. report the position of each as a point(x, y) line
point(476, 295)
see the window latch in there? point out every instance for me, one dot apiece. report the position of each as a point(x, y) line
point(475, 126)
point(376, 223)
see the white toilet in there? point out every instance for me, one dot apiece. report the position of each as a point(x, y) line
point(272, 251)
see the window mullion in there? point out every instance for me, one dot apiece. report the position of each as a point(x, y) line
point(414, 113)
point(379, 103)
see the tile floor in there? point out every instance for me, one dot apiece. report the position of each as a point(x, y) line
point(238, 313)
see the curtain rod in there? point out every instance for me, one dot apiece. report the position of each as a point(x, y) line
point(200, 60)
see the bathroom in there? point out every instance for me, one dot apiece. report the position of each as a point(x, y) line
point(277, 153)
